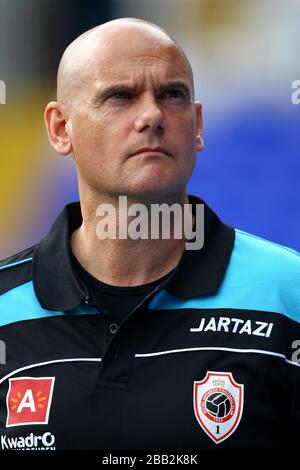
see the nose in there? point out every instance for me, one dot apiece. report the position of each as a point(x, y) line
point(150, 116)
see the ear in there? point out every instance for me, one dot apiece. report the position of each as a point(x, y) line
point(200, 143)
point(57, 127)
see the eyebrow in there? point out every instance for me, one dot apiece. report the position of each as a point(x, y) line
point(109, 90)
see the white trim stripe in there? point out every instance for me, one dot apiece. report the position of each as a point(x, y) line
point(255, 351)
point(31, 366)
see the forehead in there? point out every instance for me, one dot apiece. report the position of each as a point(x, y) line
point(133, 56)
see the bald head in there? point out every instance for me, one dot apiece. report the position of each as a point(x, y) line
point(93, 50)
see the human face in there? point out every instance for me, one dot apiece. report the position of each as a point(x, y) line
point(139, 94)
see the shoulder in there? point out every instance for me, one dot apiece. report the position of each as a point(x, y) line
point(266, 256)
point(16, 270)
point(266, 274)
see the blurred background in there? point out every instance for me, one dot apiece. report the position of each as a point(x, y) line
point(245, 56)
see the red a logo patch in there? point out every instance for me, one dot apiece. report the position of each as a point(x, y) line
point(28, 400)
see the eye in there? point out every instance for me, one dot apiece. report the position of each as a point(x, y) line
point(120, 95)
point(174, 95)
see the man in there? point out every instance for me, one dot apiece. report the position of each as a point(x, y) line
point(127, 342)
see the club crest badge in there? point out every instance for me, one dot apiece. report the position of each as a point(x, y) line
point(218, 404)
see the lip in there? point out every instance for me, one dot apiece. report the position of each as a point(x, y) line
point(147, 150)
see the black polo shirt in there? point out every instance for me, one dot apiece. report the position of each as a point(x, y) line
point(113, 301)
point(207, 360)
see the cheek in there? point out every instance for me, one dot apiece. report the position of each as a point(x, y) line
point(95, 148)
point(86, 138)
point(184, 123)
point(184, 132)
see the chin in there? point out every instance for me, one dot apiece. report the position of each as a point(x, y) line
point(156, 191)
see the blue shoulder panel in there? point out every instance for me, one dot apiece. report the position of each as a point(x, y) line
point(21, 303)
point(15, 263)
point(261, 275)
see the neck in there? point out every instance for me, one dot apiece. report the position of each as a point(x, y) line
point(125, 261)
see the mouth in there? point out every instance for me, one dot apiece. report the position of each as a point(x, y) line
point(148, 151)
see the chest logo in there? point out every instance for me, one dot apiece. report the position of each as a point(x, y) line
point(218, 404)
point(28, 400)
